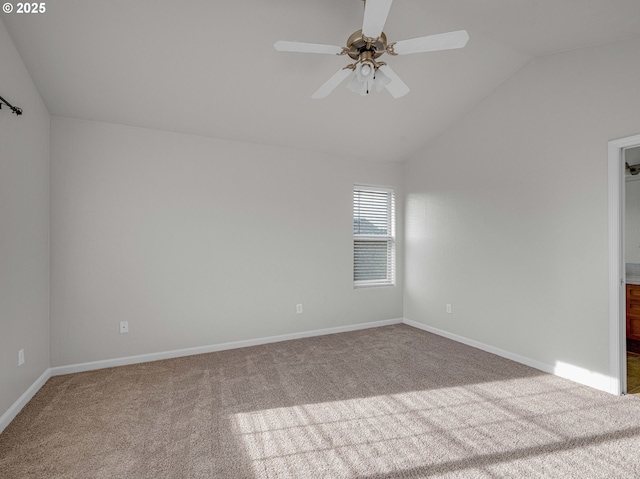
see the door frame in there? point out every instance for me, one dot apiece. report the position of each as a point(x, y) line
point(617, 286)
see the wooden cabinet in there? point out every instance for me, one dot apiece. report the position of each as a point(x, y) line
point(633, 312)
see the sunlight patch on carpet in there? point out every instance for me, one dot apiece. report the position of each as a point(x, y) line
point(407, 430)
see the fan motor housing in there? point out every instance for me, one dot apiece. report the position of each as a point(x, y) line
point(358, 43)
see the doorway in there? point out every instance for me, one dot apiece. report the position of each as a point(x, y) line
point(619, 151)
point(631, 229)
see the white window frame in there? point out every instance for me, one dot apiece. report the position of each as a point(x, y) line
point(390, 238)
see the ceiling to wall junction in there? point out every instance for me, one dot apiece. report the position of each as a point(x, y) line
point(209, 68)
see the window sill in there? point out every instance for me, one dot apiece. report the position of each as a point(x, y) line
point(373, 285)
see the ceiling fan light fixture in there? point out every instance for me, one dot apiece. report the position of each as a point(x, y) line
point(363, 80)
point(364, 71)
point(367, 45)
point(361, 87)
point(368, 77)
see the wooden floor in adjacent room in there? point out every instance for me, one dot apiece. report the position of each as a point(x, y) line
point(389, 402)
point(633, 373)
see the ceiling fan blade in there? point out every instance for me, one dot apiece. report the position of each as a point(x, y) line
point(331, 83)
point(375, 15)
point(302, 47)
point(396, 86)
point(432, 43)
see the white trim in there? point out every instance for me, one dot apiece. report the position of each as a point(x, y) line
point(566, 371)
point(381, 189)
point(573, 373)
point(617, 329)
point(22, 401)
point(484, 347)
point(17, 406)
point(176, 353)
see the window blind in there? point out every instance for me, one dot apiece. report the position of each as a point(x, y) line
point(373, 236)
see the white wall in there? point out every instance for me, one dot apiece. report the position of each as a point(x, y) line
point(506, 213)
point(24, 229)
point(198, 241)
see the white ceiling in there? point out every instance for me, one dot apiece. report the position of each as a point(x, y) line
point(208, 67)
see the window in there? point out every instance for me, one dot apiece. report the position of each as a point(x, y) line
point(373, 236)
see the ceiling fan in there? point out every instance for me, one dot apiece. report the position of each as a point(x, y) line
point(366, 46)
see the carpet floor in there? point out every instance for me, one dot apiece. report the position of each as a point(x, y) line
point(390, 402)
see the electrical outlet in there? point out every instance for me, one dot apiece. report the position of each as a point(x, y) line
point(124, 327)
point(21, 357)
point(449, 308)
point(298, 309)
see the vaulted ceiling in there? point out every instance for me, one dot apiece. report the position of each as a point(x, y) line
point(208, 67)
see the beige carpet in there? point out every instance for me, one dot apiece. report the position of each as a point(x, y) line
point(392, 402)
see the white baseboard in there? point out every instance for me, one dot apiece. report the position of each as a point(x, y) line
point(17, 406)
point(22, 401)
point(566, 371)
point(176, 353)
